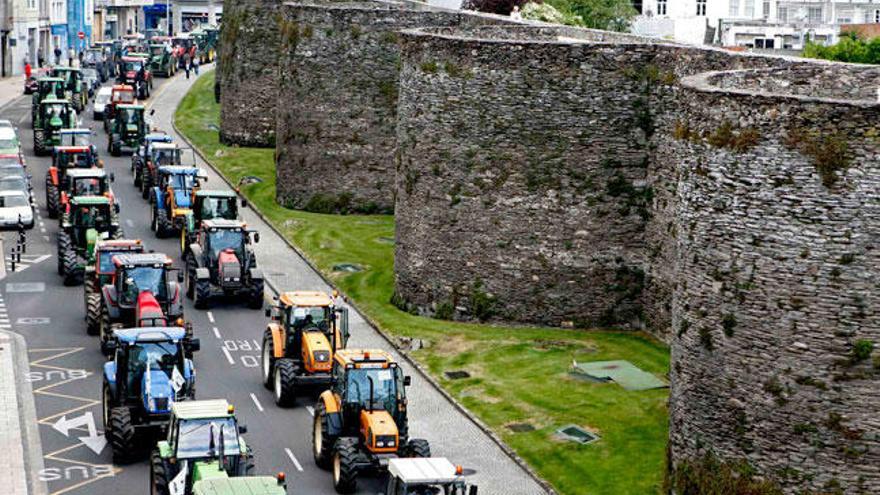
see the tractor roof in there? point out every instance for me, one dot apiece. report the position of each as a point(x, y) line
point(87, 173)
point(141, 259)
point(61, 68)
point(149, 334)
point(50, 79)
point(119, 244)
point(359, 357)
point(72, 149)
point(179, 170)
point(215, 193)
point(223, 223)
point(52, 99)
point(158, 137)
point(79, 130)
point(202, 409)
point(134, 107)
point(90, 200)
point(165, 145)
point(423, 470)
point(250, 485)
point(123, 87)
point(306, 298)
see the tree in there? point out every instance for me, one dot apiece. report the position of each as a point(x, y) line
point(613, 15)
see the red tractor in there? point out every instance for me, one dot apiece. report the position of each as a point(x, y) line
point(65, 158)
point(121, 94)
point(135, 72)
point(100, 273)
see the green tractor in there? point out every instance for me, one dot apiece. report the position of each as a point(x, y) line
point(90, 218)
point(53, 115)
point(208, 205)
point(127, 130)
point(163, 62)
point(47, 87)
point(75, 88)
point(204, 443)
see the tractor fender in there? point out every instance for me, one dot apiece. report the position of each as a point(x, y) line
point(109, 296)
point(189, 370)
point(278, 342)
point(256, 274)
point(157, 195)
point(202, 273)
point(196, 251)
point(332, 412)
point(110, 376)
point(53, 173)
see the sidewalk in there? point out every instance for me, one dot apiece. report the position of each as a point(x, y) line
point(451, 432)
point(11, 88)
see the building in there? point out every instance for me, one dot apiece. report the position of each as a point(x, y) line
point(758, 24)
point(19, 32)
point(57, 29)
point(80, 15)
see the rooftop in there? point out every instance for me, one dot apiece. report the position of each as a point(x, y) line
point(149, 334)
point(306, 299)
point(202, 409)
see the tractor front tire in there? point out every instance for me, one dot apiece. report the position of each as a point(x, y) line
point(190, 276)
point(51, 198)
point(267, 364)
point(93, 313)
point(345, 456)
point(255, 298)
point(161, 223)
point(146, 184)
point(137, 176)
point(63, 246)
point(284, 386)
point(417, 447)
point(121, 434)
point(322, 440)
point(105, 328)
point(158, 475)
point(202, 294)
point(39, 142)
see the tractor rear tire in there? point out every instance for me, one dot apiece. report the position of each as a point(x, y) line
point(63, 245)
point(322, 440)
point(158, 475)
point(284, 384)
point(146, 184)
point(202, 294)
point(121, 434)
point(190, 276)
point(136, 171)
point(161, 223)
point(39, 142)
point(255, 299)
point(105, 328)
point(93, 313)
point(51, 198)
point(267, 363)
point(417, 447)
point(345, 470)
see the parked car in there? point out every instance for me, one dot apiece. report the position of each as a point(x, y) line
point(92, 80)
point(101, 100)
point(17, 183)
point(6, 123)
point(9, 144)
point(15, 207)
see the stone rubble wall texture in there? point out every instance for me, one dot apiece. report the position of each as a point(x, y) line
point(526, 189)
point(247, 71)
point(776, 224)
point(337, 101)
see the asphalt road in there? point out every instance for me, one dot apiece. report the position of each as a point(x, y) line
point(66, 363)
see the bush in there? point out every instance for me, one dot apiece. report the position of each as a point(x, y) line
point(850, 48)
point(545, 12)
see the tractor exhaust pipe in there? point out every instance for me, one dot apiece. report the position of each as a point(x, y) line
point(370, 407)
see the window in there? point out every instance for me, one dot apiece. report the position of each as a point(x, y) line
point(844, 16)
point(749, 9)
point(701, 7)
point(734, 8)
point(814, 15)
point(32, 4)
point(768, 43)
point(781, 13)
point(661, 7)
point(766, 11)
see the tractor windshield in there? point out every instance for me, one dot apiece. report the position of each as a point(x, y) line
point(75, 160)
point(157, 49)
point(182, 182)
point(88, 187)
point(304, 318)
point(142, 279)
point(384, 387)
point(75, 139)
point(126, 96)
point(131, 116)
point(166, 156)
point(54, 110)
point(155, 356)
point(94, 217)
point(105, 261)
point(219, 208)
point(197, 436)
point(132, 65)
point(223, 239)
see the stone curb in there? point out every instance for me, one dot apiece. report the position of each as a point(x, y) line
point(27, 413)
point(421, 370)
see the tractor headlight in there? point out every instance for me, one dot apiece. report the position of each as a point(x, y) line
point(227, 279)
point(322, 356)
point(235, 279)
point(380, 444)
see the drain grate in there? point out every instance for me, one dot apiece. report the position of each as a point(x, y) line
point(457, 375)
point(347, 267)
point(577, 434)
point(520, 427)
point(386, 240)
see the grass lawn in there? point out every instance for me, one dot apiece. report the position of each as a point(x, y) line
point(518, 374)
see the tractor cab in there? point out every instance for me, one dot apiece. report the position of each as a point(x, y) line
point(127, 130)
point(141, 293)
point(149, 372)
point(426, 476)
point(307, 328)
point(66, 159)
point(52, 116)
point(171, 197)
point(86, 182)
point(121, 94)
point(140, 156)
point(100, 272)
point(69, 157)
point(361, 422)
point(204, 439)
point(77, 137)
point(46, 87)
point(208, 205)
point(74, 88)
point(221, 261)
point(135, 71)
point(90, 218)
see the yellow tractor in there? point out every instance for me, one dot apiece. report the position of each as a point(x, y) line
point(361, 422)
point(306, 329)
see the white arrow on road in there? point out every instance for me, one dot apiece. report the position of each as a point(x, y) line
point(93, 441)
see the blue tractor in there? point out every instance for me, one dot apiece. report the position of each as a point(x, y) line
point(147, 373)
point(171, 199)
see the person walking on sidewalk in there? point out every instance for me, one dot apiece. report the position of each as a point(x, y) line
point(27, 70)
point(186, 64)
point(57, 56)
point(195, 65)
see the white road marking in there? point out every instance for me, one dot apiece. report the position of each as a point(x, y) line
point(129, 222)
point(293, 460)
point(228, 356)
point(257, 402)
point(311, 410)
point(46, 238)
point(42, 230)
point(216, 333)
point(41, 223)
point(211, 317)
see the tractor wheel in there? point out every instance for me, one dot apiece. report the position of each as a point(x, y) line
point(93, 313)
point(268, 359)
point(121, 434)
point(39, 142)
point(417, 447)
point(322, 440)
point(345, 456)
point(116, 149)
point(73, 273)
point(284, 386)
point(63, 246)
point(105, 329)
point(255, 299)
point(146, 184)
point(137, 175)
point(190, 276)
point(164, 227)
point(202, 294)
point(158, 475)
point(105, 406)
point(51, 199)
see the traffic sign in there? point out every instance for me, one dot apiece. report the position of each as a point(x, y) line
point(81, 35)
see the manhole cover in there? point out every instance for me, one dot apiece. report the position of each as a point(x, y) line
point(456, 375)
point(577, 434)
point(520, 427)
point(347, 267)
point(26, 287)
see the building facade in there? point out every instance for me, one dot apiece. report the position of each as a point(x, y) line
point(19, 35)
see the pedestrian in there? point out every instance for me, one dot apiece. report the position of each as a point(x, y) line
point(57, 56)
point(70, 56)
point(195, 64)
point(186, 64)
point(27, 70)
point(40, 59)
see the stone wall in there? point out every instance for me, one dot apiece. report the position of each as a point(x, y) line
point(247, 71)
point(776, 295)
point(525, 189)
point(338, 102)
